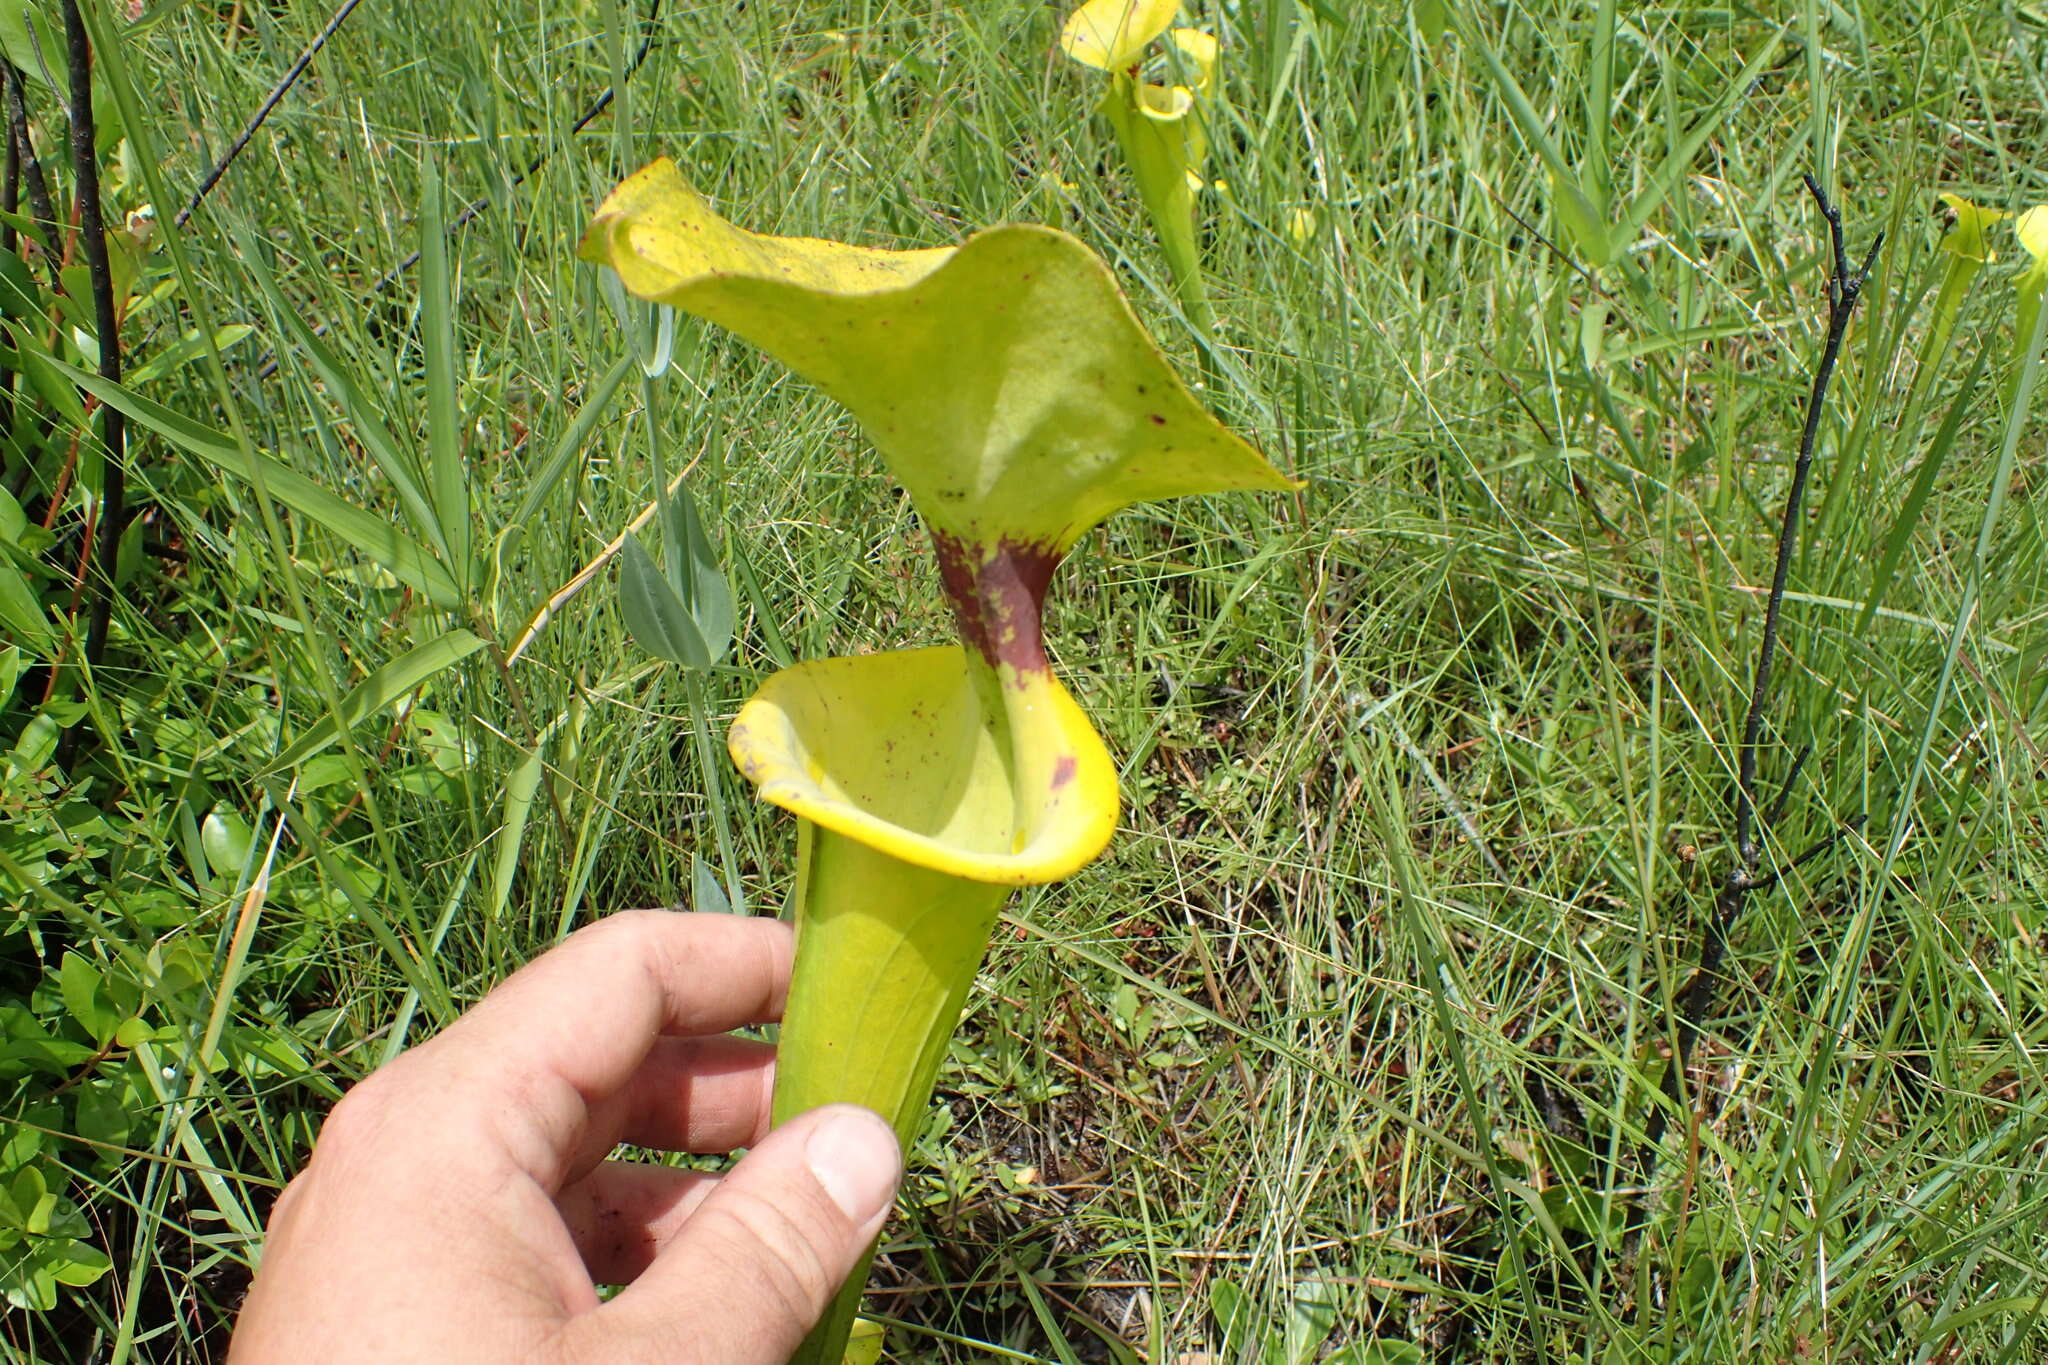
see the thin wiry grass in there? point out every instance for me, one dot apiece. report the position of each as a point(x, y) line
point(1516, 601)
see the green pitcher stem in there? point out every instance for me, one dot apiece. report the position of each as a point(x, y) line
point(885, 955)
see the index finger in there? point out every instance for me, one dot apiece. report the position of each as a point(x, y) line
point(516, 1078)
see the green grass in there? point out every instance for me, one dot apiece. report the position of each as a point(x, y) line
point(1427, 769)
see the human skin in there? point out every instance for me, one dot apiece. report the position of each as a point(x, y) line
point(461, 1204)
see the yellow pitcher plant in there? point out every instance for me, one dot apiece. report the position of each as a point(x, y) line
point(1163, 129)
point(1013, 393)
point(2031, 283)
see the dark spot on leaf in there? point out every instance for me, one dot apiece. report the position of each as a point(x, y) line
point(1158, 420)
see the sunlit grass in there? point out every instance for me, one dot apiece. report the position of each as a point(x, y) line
point(1472, 695)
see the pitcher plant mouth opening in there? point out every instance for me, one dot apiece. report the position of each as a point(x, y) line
point(1014, 394)
point(895, 750)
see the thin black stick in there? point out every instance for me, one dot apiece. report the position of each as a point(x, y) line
point(40, 205)
point(1844, 288)
point(270, 102)
point(10, 239)
point(92, 238)
point(10, 187)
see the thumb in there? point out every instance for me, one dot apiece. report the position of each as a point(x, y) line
point(755, 1266)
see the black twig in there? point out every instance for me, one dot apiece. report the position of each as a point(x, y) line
point(40, 206)
point(10, 239)
point(92, 238)
point(10, 187)
point(1844, 288)
point(270, 102)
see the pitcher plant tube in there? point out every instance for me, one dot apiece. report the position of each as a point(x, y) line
point(1016, 397)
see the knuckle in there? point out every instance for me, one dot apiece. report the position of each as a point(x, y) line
point(359, 1119)
point(621, 927)
point(780, 1241)
point(288, 1199)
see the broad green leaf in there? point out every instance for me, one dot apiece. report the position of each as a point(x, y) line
point(21, 611)
point(47, 373)
point(225, 838)
point(1235, 1317)
point(396, 463)
point(864, 1346)
point(133, 1031)
point(36, 743)
point(19, 298)
point(707, 897)
point(519, 795)
point(78, 981)
point(1430, 19)
point(368, 534)
point(1385, 1351)
point(1006, 381)
point(1583, 223)
point(656, 616)
point(702, 588)
point(383, 688)
point(33, 40)
point(1311, 1316)
point(101, 1116)
point(80, 1265)
point(444, 418)
point(37, 1224)
point(573, 441)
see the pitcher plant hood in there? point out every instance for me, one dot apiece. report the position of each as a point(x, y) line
point(1005, 381)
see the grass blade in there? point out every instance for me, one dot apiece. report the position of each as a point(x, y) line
point(573, 440)
point(1674, 167)
point(392, 460)
point(519, 794)
point(394, 1040)
point(370, 535)
point(1916, 498)
point(1585, 220)
point(385, 686)
point(444, 418)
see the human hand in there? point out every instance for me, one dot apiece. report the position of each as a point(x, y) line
point(459, 1205)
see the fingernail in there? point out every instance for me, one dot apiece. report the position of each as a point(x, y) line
point(853, 1154)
